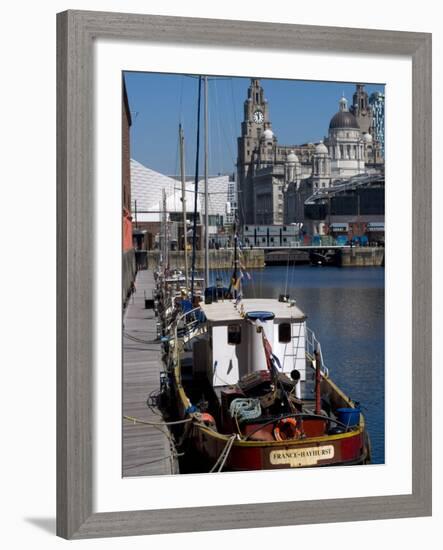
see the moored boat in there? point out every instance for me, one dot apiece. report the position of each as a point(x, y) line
point(252, 384)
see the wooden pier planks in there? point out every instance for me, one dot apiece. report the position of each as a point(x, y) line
point(144, 447)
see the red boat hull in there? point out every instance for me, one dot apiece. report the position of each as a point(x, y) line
point(344, 449)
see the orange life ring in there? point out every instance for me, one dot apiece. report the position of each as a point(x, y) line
point(208, 419)
point(286, 428)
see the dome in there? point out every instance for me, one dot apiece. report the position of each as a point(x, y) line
point(367, 138)
point(268, 134)
point(343, 119)
point(321, 149)
point(291, 158)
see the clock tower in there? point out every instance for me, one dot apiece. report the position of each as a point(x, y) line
point(256, 112)
point(255, 122)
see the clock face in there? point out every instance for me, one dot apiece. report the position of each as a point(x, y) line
point(258, 117)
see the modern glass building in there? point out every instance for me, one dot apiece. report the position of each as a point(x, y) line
point(377, 102)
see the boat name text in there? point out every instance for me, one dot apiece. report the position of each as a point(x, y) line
point(302, 457)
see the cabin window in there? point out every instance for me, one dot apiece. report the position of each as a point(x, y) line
point(284, 333)
point(234, 334)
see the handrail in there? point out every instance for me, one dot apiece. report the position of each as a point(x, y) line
point(177, 321)
point(313, 345)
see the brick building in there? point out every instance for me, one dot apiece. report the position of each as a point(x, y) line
point(128, 254)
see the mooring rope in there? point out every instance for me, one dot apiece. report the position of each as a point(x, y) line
point(223, 455)
point(138, 421)
point(166, 457)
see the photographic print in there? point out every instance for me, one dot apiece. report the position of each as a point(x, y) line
point(253, 282)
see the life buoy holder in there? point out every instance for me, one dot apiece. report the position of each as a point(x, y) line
point(287, 428)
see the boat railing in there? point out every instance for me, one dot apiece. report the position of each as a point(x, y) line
point(313, 345)
point(193, 323)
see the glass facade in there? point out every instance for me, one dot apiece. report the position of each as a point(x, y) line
point(377, 101)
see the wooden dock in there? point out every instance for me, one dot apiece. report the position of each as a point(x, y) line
point(146, 448)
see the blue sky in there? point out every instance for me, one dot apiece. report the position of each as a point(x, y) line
point(300, 112)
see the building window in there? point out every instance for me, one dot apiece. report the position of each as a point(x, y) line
point(234, 334)
point(284, 333)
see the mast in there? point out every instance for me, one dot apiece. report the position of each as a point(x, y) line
point(206, 188)
point(194, 227)
point(182, 172)
point(165, 231)
point(234, 277)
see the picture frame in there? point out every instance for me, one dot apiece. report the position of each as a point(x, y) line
point(76, 32)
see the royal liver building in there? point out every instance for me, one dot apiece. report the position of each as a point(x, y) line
point(274, 179)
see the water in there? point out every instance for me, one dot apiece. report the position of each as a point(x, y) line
point(345, 309)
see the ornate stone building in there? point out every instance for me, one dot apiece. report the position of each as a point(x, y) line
point(346, 145)
point(264, 167)
point(274, 179)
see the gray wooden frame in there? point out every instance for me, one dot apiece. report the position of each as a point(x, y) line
point(76, 31)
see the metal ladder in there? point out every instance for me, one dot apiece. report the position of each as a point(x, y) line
point(294, 350)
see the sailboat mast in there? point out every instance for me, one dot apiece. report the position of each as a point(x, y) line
point(206, 187)
point(194, 225)
point(182, 172)
point(165, 231)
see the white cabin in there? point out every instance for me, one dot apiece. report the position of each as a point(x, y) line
point(236, 344)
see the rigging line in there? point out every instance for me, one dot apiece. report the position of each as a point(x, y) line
point(254, 288)
point(218, 111)
point(217, 125)
point(192, 191)
point(236, 120)
point(230, 118)
point(221, 128)
point(293, 275)
point(287, 273)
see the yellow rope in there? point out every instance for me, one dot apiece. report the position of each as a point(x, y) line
point(138, 421)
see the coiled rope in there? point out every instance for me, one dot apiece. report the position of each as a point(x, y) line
point(245, 409)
